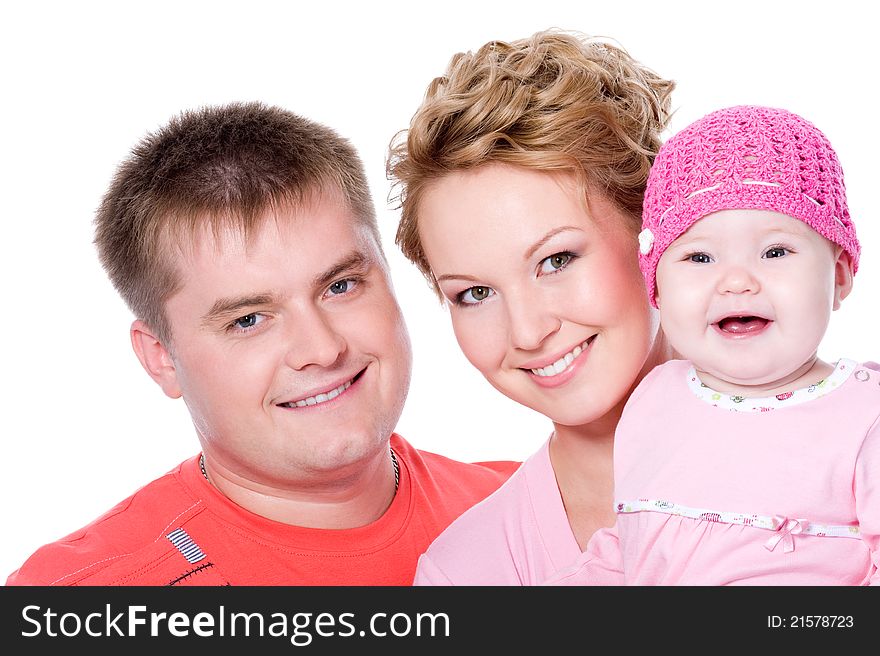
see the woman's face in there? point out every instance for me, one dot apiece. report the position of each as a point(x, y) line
point(545, 293)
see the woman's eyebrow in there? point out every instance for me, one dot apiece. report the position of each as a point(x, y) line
point(528, 254)
point(543, 240)
point(456, 276)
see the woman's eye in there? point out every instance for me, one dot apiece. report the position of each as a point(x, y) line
point(554, 263)
point(474, 295)
point(776, 251)
point(700, 258)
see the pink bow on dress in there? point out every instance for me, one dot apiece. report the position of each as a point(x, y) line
point(786, 529)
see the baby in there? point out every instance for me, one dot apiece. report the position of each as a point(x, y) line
point(751, 461)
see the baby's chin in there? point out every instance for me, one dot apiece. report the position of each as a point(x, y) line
point(750, 379)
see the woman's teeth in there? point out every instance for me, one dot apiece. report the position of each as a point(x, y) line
point(562, 363)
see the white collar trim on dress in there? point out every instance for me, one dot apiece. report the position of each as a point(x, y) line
point(843, 369)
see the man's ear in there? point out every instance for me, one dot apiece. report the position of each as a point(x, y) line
point(843, 277)
point(155, 358)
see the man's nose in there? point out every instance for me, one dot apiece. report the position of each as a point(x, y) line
point(313, 340)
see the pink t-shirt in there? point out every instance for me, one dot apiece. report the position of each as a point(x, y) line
point(717, 490)
point(519, 535)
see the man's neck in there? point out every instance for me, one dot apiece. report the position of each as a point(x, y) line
point(344, 502)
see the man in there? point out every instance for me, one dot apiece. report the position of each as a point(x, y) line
point(244, 240)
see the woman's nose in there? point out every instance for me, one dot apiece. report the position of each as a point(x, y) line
point(530, 323)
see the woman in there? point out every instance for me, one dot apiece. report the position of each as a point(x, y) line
point(520, 180)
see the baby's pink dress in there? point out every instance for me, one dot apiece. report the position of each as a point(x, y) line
point(718, 490)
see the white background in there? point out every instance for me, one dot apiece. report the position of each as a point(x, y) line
point(83, 425)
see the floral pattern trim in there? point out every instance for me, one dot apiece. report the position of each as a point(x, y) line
point(843, 369)
point(784, 528)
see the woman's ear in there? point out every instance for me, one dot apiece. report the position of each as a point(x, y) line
point(843, 276)
point(155, 358)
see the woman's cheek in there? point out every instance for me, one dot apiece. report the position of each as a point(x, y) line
point(478, 336)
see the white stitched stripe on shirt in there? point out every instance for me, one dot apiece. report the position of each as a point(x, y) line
point(185, 545)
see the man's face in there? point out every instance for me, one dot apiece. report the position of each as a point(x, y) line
point(289, 348)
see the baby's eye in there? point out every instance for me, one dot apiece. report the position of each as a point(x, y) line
point(700, 258)
point(475, 295)
point(554, 263)
point(776, 251)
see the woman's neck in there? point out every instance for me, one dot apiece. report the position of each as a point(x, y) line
point(582, 459)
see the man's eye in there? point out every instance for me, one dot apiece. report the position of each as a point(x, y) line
point(247, 321)
point(342, 287)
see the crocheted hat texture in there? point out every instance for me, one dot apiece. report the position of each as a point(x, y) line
point(744, 157)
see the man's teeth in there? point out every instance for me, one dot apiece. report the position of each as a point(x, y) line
point(320, 398)
point(562, 363)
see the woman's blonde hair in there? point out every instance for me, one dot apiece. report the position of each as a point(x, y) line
point(555, 101)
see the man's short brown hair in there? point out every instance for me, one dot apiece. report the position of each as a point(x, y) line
point(217, 167)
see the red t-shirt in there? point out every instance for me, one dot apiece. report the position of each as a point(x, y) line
point(179, 530)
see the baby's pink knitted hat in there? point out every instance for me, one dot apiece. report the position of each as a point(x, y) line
point(743, 157)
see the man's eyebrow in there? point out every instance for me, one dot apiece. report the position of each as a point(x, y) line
point(226, 306)
point(356, 260)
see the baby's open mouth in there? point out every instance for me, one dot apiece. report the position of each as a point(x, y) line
point(740, 325)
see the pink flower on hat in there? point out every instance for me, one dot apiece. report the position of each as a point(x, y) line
point(646, 241)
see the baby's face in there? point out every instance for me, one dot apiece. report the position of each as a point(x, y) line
point(747, 294)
